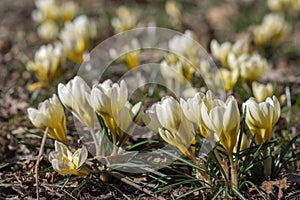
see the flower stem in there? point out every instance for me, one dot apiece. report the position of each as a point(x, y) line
point(233, 171)
point(222, 163)
point(115, 147)
point(95, 141)
point(267, 163)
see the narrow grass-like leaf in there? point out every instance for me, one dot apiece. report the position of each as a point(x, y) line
point(189, 163)
point(2, 165)
point(256, 188)
point(238, 194)
point(217, 194)
point(36, 145)
point(181, 182)
point(287, 147)
point(192, 191)
point(141, 143)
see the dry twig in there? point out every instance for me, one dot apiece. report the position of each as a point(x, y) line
point(38, 163)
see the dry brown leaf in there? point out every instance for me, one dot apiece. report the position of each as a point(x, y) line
point(275, 188)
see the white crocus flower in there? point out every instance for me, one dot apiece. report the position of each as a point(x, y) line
point(251, 67)
point(72, 95)
point(172, 125)
point(229, 78)
point(107, 97)
point(129, 54)
point(261, 117)
point(110, 101)
point(125, 19)
point(184, 45)
point(76, 37)
point(272, 30)
point(192, 109)
point(222, 51)
point(48, 30)
point(46, 9)
point(50, 113)
point(65, 162)
point(261, 91)
point(224, 120)
point(68, 10)
point(47, 62)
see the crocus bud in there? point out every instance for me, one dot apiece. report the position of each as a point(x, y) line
point(220, 51)
point(72, 95)
point(68, 10)
point(229, 78)
point(65, 162)
point(125, 19)
point(261, 91)
point(109, 100)
point(261, 117)
point(108, 96)
point(224, 120)
point(50, 113)
point(48, 30)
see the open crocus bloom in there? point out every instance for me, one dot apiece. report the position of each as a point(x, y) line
point(251, 66)
point(47, 63)
point(272, 30)
point(65, 163)
point(76, 37)
point(222, 51)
